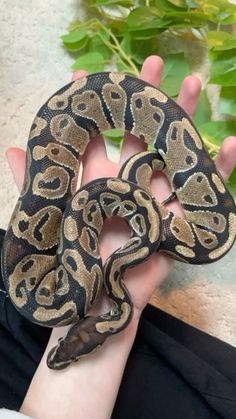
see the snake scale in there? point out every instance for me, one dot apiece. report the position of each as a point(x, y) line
point(50, 259)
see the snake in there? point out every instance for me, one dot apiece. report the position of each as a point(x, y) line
point(51, 263)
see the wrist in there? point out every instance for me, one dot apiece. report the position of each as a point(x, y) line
point(55, 393)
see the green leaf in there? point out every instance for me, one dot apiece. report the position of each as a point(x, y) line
point(92, 62)
point(227, 104)
point(216, 131)
point(74, 37)
point(223, 69)
point(175, 69)
point(110, 2)
point(191, 4)
point(114, 135)
point(203, 112)
point(220, 40)
point(142, 17)
point(187, 19)
point(220, 11)
point(75, 41)
point(96, 44)
point(178, 3)
point(138, 50)
point(146, 33)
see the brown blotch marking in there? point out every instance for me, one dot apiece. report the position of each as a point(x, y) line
point(56, 153)
point(146, 124)
point(178, 157)
point(182, 230)
point(49, 230)
point(50, 175)
point(62, 283)
point(157, 164)
point(103, 327)
point(206, 238)
point(70, 228)
point(197, 191)
point(193, 133)
point(45, 291)
point(88, 105)
point(118, 185)
point(60, 102)
point(37, 127)
point(92, 215)
point(218, 182)
point(85, 241)
point(132, 245)
point(37, 266)
point(212, 220)
point(125, 260)
point(139, 225)
point(116, 100)
point(226, 246)
point(66, 131)
point(80, 200)
point(114, 205)
point(185, 251)
point(116, 77)
point(43, 315)
point(173, 255)
point(164, 212)
point(143, 177)
point(86, 279)
point(129, 165)
point(153, 216)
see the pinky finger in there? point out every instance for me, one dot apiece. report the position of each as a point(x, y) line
point(226, 158)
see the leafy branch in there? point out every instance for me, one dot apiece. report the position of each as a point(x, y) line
point(122, 33)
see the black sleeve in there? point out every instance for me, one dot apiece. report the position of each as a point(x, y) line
point(174, 371)
point(22, 344)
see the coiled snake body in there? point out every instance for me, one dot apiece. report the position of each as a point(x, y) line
point(50, 259)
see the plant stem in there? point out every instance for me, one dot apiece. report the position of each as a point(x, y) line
point(116, 49)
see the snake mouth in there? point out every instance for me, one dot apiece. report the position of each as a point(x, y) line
point(55, 359)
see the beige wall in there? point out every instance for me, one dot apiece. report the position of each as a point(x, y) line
point(34, 65)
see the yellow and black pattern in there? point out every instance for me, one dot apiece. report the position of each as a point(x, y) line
point(51, 264)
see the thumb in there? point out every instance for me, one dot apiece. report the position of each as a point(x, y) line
point(16, 160)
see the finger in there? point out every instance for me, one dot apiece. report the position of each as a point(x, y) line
point(79, 73)
point(95, 151)
point(16, 160)
point(226, 158)
point(189, 94)
point(151, 73)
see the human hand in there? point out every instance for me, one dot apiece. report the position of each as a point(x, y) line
point(54, 394)
point(96, 164)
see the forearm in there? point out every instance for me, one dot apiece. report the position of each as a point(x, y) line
point(87, 389)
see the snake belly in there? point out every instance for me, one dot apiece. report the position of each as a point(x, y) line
point(51, 265)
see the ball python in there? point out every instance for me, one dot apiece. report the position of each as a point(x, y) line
point(51, 264)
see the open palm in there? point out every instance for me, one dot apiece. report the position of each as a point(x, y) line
point(142, 280)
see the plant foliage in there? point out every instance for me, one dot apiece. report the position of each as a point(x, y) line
point(122, 33)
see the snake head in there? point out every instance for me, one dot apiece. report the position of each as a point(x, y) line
point(82, 338)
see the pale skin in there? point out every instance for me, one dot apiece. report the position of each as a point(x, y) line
point(88, 389)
